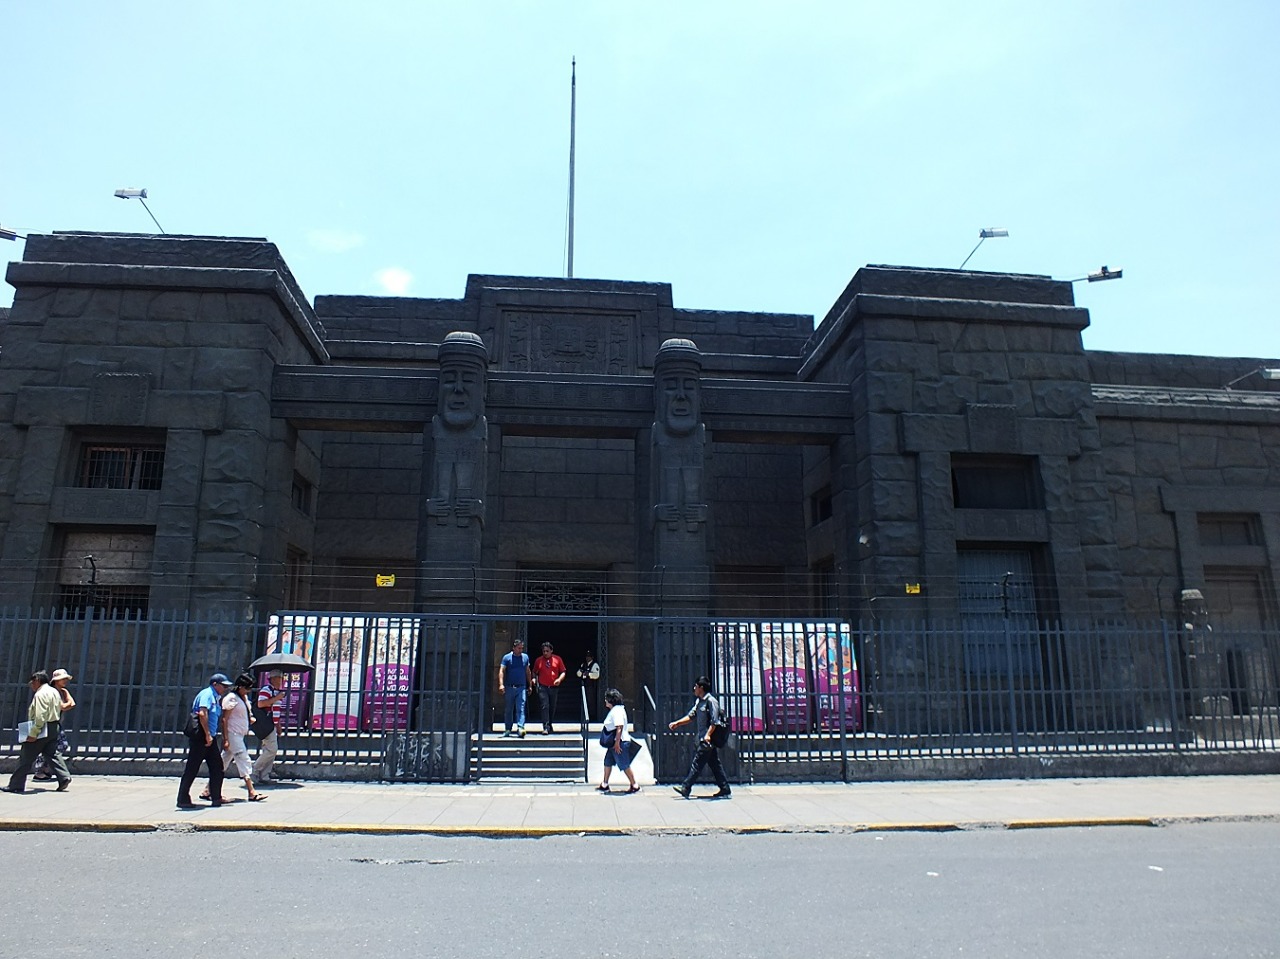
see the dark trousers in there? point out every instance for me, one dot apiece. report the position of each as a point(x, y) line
point(705, 755)
point(46, 747)
point(211, 755)
point(548, 696)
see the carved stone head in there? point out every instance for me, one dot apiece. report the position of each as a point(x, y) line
point(464, 363)
point(676, 372)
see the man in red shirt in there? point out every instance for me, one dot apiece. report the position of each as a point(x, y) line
point(548, 670)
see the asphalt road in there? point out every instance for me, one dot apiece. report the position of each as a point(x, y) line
point(1195, 890)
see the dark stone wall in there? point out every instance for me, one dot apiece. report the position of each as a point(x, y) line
point(175, 337)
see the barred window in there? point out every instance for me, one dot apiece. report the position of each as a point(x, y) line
point(131, 466)
point(109, 602)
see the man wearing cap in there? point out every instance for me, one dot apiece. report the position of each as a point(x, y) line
point(45, 714)
point(207, 708)
point(59, 680)
point(269, 698)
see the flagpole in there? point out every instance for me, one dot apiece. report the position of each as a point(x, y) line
point(573, 126)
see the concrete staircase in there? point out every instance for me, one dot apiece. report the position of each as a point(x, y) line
point(536, 758)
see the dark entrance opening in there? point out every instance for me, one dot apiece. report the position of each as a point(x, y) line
point(571, 639)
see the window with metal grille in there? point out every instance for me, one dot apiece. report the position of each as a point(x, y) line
point(108, 602)
point(124, 466)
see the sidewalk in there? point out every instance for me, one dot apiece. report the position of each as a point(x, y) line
point(144, 804)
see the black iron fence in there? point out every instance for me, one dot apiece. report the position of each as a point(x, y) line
point(817, 699)
point(409, 698)
point(390, 697)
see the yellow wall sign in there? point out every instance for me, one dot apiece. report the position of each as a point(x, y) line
point(913, 589)
point(386, 579)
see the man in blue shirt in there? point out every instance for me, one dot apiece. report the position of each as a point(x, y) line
point(206, 745)
point(513, 683)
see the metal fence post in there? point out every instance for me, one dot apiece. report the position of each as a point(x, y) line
point(1173, 686)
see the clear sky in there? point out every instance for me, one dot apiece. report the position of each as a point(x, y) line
point(752, 154)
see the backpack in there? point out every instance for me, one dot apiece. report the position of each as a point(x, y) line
point(720, 733)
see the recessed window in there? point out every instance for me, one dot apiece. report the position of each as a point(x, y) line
point(1228, 529)
point(121, 466)
point(820, 506)
point(302, 495)
point(979, 482)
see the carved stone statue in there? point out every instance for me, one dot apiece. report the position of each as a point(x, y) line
point(460, 433)
point(678, 438)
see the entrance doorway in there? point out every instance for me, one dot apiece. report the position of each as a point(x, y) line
point(577, 596)
point(571, 639)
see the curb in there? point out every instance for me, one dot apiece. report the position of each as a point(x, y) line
point(542, 832)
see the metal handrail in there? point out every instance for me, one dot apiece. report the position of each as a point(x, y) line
point(586, 723)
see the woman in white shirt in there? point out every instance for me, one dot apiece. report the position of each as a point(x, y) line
point(616, 741)
point(235, 724)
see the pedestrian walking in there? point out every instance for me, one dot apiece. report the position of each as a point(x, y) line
point(708, 715)
point(269, 698)
point(548, 674)
point(42, 771)
point(44, 717)
point(205, 743)
point(616, 739)
point(514, 677)
point(235, 726)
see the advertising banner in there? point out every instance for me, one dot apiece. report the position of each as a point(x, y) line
point(297, 635)
point(737, 671)
point(785, 673)
point(835, 676)
point(340, 645)
point(388, 679)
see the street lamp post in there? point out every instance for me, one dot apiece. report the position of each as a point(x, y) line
point(129, 193)
point(986, 234)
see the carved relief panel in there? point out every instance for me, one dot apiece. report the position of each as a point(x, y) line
point(536, 341)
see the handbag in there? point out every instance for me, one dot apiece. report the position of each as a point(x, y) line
point(193, 730)
point(606, 737)
point(262, 725)
point(633, 747)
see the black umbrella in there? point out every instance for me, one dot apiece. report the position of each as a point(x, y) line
point(285, 662)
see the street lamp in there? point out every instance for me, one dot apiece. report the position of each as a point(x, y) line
point(1104, 273)
point(129, 193)
point(1268, 373)
point(988, 233)
point(8, 234)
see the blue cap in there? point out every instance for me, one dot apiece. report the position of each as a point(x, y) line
point(219, 678)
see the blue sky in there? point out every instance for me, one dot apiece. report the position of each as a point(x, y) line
point(754, 155)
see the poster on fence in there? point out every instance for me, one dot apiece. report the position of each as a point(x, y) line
point(784, 669)
point(296, 635)
point(835, 676)
point(737, 671)
point(388, 678)
point(340, 642)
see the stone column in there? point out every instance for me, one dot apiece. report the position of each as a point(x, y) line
point(678, 511)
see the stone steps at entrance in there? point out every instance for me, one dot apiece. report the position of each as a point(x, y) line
point(537, 757)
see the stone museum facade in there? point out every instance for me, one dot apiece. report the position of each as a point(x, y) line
point(180, 428)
